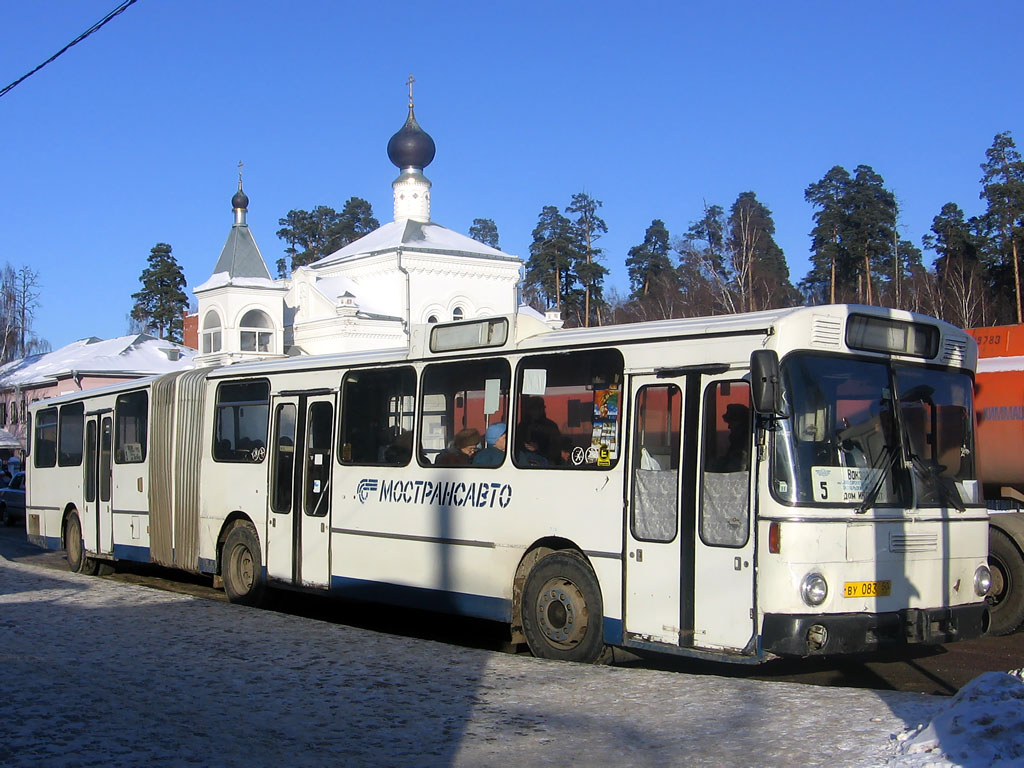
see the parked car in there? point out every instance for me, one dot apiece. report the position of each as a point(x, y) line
point(12, 500)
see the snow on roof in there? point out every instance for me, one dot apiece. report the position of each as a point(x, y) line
point(373, 302)
point(219, 279)
point(413, 235)
point(137, 355)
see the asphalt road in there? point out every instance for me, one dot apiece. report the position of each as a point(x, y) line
point(934, 670)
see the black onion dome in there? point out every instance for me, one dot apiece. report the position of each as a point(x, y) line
point(411, 147)
point(240, 200)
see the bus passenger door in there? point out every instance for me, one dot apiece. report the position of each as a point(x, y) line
point(723, 590)
point(97, 511)
point(298, 521)
point(654, 542)
point(91, 468)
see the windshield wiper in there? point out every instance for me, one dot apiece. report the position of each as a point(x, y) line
point(931, 473)
point(883, 466)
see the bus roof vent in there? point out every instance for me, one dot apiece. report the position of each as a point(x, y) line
point(954, 351)
point(826, 332)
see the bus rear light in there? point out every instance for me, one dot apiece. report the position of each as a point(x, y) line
point(775, 538)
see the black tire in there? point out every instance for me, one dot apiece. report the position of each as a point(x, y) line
point(562, 610)
point(1006, 598)
point(78, 560)
point(241, 566)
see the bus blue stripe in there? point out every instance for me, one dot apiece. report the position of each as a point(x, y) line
point(491, 608)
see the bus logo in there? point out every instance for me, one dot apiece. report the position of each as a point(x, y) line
point(365, 488)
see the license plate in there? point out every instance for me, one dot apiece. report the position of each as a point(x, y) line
point(867, 589)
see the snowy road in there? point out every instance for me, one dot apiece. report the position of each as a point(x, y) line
point(102, 673)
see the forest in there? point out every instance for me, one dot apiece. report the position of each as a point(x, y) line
point(728, 261)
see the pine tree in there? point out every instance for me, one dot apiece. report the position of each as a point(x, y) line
point(649, 264)
point(161, 304)
point(588, 228)
point(311, 235)
point(550, 278)
point(485, 231)
point(1003, 190)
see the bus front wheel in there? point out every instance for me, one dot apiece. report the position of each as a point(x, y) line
point(78, 560)
point(562, 609)
point(242, 568)
point(1006, 599)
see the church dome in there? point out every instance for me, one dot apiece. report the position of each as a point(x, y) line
point(240, 199)
point(411, 147)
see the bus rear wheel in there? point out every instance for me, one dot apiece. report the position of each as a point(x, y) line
point(78, 560)
point(242, 568)
point(1006, 599)
point(562, 610)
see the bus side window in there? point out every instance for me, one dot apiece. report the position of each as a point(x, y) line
point(377, 417)
point(132, 416)
point(69, 439)
point(568, 410)
point(725, 495)
point(241, 422)
point(465, 395)
point(46, 438)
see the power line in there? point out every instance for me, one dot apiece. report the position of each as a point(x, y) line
point(116, 12)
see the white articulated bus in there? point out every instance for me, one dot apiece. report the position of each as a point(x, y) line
point(790, 482)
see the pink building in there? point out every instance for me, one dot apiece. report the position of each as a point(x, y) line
point(83, 364)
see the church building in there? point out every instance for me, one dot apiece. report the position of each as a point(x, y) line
point(366, 295)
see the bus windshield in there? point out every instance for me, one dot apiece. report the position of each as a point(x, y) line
point(863, 433)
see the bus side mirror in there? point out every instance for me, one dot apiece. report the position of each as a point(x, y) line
point(766, 385)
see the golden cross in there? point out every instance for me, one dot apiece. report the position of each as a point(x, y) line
point(240, 164)
point(409, 83)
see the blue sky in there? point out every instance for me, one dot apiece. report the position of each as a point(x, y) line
point(133, 136)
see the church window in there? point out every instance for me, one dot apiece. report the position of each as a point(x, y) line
point(256, 332)
point(211, 333)
point(458, 313)
point(432, 319)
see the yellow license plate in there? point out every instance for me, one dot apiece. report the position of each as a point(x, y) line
point(867, 589)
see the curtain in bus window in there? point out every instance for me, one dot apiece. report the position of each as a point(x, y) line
point(319, 427)
point(725, 494)
point(377, 417)
point(72, 424)
point(46, 438)
point(466, 395)
point(656, 463)
point(132, 414)
point(242, 419)
point(284, 458)
point(568, 410)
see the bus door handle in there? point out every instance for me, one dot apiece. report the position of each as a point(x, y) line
point(737, 563)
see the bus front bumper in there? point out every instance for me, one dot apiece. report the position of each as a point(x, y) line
point(845, 633)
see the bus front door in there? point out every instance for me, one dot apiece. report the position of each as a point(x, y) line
point(723, 588)
point(299, 498)
point(655, 609)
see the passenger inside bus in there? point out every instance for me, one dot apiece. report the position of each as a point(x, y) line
point(535, 427)
point(737, 452)
point(494, 454)
point(461, 451)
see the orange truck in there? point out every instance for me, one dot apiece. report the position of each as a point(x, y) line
point(999, 409)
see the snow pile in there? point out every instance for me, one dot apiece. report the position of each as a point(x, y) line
point(983, 725)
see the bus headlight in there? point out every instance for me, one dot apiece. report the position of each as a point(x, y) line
point(814, 589)
point(982, 580)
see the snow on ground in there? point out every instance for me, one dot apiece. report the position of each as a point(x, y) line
point(97, 672)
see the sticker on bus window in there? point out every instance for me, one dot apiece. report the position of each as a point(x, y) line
point(842, 485)
point(535, 381)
